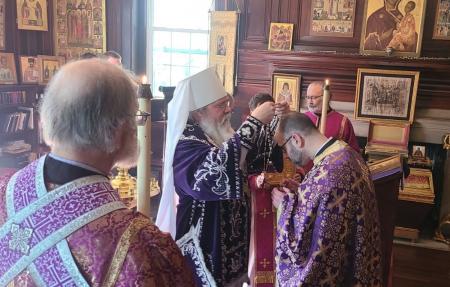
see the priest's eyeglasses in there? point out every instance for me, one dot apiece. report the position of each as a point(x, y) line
point(313, 97)
point(141, 117)
point(283, 146)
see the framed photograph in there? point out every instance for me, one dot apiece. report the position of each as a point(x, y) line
point(286, 87)
point(222, 46)
point(2, 24)
point(29, 66)
point(332, 18)
point(280, 36)
point(8, 73)
point(441, 30)
point(32, 15)
point(77, 31)
point(386, 94)
point(418, 152)
point(49, 65)
point(393, 27)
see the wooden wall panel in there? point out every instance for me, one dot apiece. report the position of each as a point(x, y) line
point(341, 69)
point(338, 59)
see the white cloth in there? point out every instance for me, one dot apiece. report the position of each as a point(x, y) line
point(190, 94)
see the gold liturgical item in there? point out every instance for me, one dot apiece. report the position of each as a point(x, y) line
point(415, 201)
point(386, 139)
point(276, 178)
point(125, 184)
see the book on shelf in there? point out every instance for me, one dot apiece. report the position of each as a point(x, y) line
point(20, 120)
point(15, 97)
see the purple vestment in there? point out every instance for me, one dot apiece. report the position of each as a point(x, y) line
point(328, 232)
point(213, 212)
point(80, 234)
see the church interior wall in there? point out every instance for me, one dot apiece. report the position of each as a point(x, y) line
point(316, 58)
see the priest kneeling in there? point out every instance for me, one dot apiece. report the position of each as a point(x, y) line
point(61, 222)
point(328, 231)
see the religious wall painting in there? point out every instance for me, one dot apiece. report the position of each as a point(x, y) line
point(280, 36)
point(222, 46)
point(386, 94)
point(49, 66)
point(8, 73)
point(286, 87)
point(79, 27)
point(441, 30)
point(393, 27)
point(32, 15)
point(30, 70)
point(2, 24)
point(332, 18)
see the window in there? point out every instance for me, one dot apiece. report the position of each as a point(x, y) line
point(178, 40)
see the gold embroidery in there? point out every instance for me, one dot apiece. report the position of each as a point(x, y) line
point(264, 213)
point(122, 250)
point(265, 277)
point(331, 149)
point(341, 130)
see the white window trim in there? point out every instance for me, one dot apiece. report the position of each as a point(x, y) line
point(150, 30)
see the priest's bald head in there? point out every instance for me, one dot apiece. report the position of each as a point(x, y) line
point(89, 111)
point(314, 97)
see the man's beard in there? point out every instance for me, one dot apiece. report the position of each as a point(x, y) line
point(296, 156)
point(315, 109)
point(129, 155)
point(219, 132)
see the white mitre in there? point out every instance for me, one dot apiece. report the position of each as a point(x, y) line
point(192, 93)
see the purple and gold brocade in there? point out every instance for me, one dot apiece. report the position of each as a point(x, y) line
point(328, 232)
point(150, 257)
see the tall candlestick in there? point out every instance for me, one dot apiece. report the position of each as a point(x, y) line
point(325, 102)
point(144, 160)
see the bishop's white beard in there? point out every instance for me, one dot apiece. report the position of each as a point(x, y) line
point(219, 132)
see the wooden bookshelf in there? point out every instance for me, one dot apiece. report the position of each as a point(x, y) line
point(28, 135)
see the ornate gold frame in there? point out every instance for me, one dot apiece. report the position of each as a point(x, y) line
point(395, 53)
point(285, 25)
point(295, 103)
point(72, 52)
point(41, 59)
point(412, 97)
point(22, 26)
point(11, 65)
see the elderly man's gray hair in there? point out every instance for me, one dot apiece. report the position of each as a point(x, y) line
point(85, 103)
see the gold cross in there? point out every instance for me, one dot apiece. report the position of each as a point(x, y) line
point(264, 213)
point(264, 263)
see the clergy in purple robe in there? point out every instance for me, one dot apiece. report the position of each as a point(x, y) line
point(61, 222)
point(338, 126)
point(328, 232)
point(203, 168)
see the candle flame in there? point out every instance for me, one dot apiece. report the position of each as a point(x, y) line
point(327, 82)
point(144, 80)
